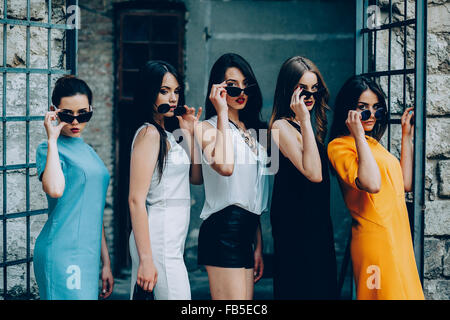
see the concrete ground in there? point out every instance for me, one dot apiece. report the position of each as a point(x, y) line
point(199, 287)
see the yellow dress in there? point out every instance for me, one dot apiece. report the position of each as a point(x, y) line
point(382, 253)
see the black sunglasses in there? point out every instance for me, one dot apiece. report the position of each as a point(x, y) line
point(179, 110)
point(68, 118)
point(380, 114)
point(236, 91)
point(315, 94)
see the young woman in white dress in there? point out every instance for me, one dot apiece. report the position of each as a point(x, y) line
point(160, 172)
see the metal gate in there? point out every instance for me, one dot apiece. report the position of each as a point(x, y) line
point(385, 52)
point(10, 212)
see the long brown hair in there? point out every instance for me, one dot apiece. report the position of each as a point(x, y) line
point(290, 73)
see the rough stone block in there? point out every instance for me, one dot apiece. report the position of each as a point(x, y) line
point(437, 289)
point(437, 217)
point(16, 239)
point(444, 178)
point(434, 251)
point(438, 138)
point(15, 192)
point(16, 47)
point(438, 53)
point(439, 18)
point(446, 261)
point(17, 9)
point(437, 101)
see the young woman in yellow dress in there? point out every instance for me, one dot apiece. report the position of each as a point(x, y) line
point(373, 183)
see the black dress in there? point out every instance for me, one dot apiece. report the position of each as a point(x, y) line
point(304, 254)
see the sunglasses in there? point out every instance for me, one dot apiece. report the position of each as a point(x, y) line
point(236, 91)
point(179, 110)
point(68, 118)
point(315, 94)
point(380, 114)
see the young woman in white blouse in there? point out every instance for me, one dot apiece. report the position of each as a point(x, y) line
point(236, 190)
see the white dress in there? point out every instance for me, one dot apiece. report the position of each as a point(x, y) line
point(168, 209)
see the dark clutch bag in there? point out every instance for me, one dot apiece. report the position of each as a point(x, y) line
point(141, 294)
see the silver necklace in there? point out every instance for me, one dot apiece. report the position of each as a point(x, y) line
point(249, 140)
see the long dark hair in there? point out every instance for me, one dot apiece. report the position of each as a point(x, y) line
point(347, 99)
point(146, 92)
point(290, 73)
point(251, 114)
point(69, 86)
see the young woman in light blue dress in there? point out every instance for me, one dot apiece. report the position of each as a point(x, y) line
point(68, 249)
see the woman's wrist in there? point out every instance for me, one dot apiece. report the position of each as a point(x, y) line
point(407, 136)
point(146, 258)
point(360, 137)
point(407, 142)
point(187, 132)
point(305, 124)
point(360, 142)
point(303, 119)
point(222, 114)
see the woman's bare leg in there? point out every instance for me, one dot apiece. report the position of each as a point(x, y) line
point(228, 283)
point(249, 281)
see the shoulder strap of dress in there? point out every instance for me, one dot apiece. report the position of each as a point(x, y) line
point(295, 125)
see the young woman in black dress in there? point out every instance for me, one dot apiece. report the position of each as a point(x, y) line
point(304, 254)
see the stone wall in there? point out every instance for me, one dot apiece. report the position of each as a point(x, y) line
point(16, 131)
point(437, 214)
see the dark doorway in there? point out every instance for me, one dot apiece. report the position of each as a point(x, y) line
point(152, 31)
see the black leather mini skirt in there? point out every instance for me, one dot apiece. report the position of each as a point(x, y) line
point(226, 238)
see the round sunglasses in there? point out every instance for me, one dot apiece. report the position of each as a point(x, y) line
point(68, 118)
point(380, 114)
point(236, 91)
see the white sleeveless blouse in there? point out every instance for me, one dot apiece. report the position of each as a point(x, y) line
point(247, 187)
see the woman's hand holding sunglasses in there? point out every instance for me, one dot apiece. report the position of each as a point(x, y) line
point(218, 97)
point(354, 124)
point(298, 105)
point(408, 122)
point(189, 119)
point(53, 131)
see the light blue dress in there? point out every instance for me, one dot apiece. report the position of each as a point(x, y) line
point(67, 251)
